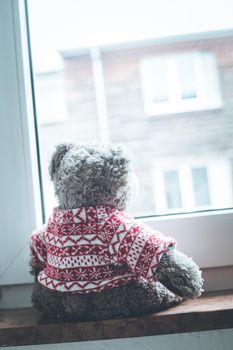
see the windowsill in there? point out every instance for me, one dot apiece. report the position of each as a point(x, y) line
point(157, 111)
point(211, 311)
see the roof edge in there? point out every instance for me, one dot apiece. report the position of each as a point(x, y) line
point(217, 34)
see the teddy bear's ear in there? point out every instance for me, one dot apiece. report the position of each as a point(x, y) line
point(57, 156)
point(120, 164)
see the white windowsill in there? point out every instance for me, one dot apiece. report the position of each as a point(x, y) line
point(211, 232)
point(180, 109)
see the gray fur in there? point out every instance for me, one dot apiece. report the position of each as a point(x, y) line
point(57, 157)
point(180, 274)
point(94, 174)
point(133, 299)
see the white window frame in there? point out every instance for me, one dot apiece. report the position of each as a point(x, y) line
point(207, 237)
point(20, 190)
point(208, 96)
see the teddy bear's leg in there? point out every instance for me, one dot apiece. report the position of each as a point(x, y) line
point(133, 299)
point(149, 298)
point(45, 301)
point(59, 306)
point(180, 274)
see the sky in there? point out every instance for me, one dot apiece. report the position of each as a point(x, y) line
point(72, 24)
point(69, 24)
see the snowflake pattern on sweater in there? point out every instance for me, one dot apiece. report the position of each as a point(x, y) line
point(90, 249)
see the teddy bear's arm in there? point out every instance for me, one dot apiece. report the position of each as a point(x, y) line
point(140, 248)
point(180, 274)
point(37, 251)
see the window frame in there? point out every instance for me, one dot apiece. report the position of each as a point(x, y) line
point(21, 194)
point(209, 228)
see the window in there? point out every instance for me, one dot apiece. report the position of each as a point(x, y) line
point(180, 82)
point(181, 162)
point(184, 185)
point(102, 91)
point(173, 188)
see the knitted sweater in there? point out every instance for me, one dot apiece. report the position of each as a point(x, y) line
point(90, 249)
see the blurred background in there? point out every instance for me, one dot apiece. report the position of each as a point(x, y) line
point(155, 76)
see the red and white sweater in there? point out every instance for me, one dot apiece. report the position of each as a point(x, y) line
point(90, 249)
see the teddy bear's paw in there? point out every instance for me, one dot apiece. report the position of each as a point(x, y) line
point(185, 285)
point(180, 274)
point(168, 298)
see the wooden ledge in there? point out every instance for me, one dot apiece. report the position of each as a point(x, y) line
point(211, 311)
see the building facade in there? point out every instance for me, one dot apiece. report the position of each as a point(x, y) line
point(169, 102)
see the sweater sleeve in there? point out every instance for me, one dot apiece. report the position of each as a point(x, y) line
point(140, 247)
point(38, 251)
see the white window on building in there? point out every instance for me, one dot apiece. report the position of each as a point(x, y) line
point(181, 82)
point(183, 185)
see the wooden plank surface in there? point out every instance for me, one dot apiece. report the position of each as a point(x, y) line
point(211, 311)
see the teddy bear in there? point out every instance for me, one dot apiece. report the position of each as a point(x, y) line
point(94, 261)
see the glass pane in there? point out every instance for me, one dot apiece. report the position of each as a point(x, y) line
point(186, 72)
point(200, 187)
point(158, 71)
point(172, 186)
point(90, 85)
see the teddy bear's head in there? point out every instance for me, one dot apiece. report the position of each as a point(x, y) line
point(92, 174)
